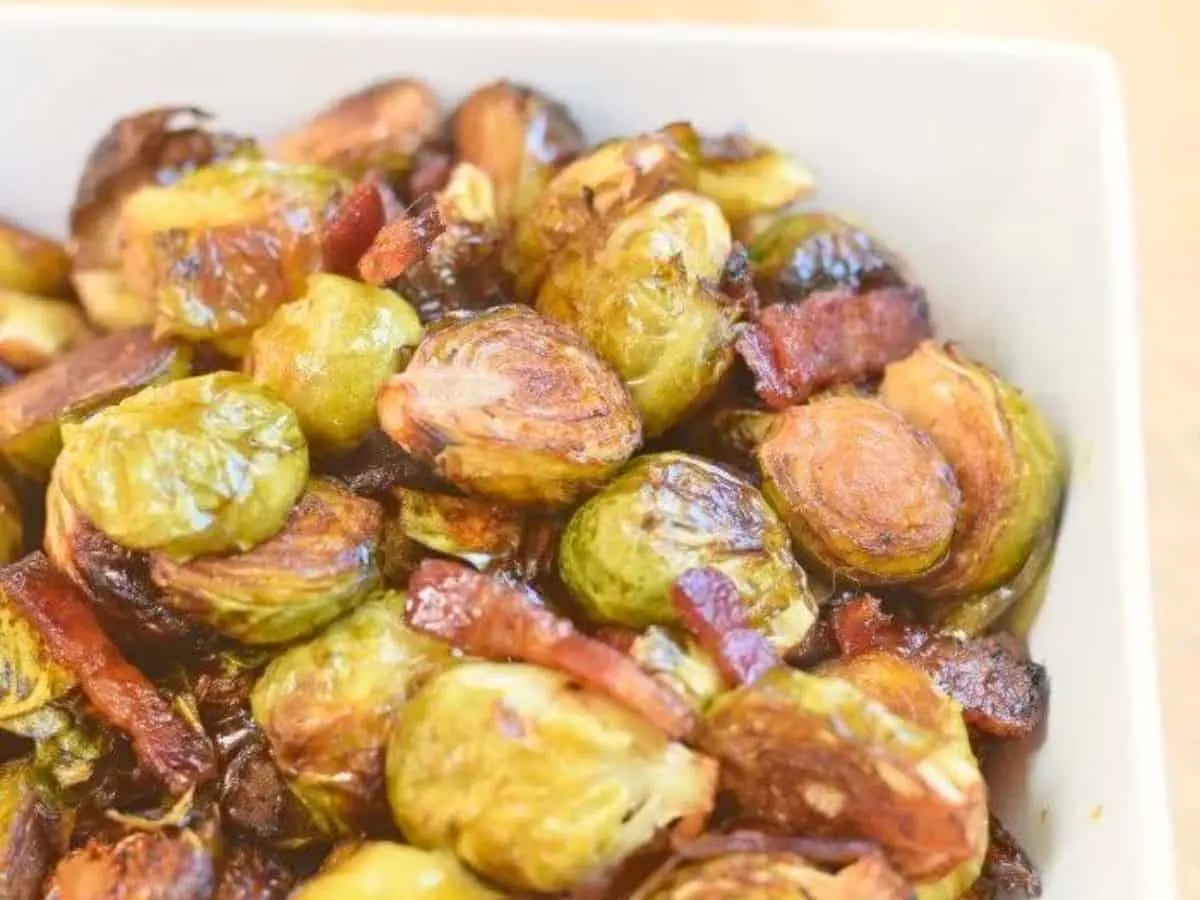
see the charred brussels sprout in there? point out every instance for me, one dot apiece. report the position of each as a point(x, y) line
point(382, 871)
point(867, 496)
point(532, 782)
point(204, 465)
point(616, 175)
point(36, 330)
point(319, 565)
point(222, 248)
point(328, 354)
point(379, 127)
point(512, 407)
point(171, 864)
point(27, 839)
point(477, 532)
point(644, 297)
point(326, 707)
point(519, 137)
point(1003, 456)
point(747, 178)
point(671, 512)
point(30, 263)
point(679, 663)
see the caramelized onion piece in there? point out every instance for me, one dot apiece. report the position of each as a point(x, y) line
point(708, 604)
point(60, 612)
point(400, 244)
point(485, 617)
point(830, 338)
point(353, 228)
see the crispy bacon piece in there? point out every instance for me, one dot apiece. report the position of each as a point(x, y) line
point(831, 337)
point(353, 228)
point(708, 604)
point(486, 617)
point(401, 243)
point(1002, 692)
point(60, 612)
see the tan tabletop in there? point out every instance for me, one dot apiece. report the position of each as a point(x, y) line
point(1155, 43)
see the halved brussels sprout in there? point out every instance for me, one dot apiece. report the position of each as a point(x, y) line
point(679, 663)
point(145, 865)
point(804, 252)
point(808, 753)
point(519, 137)
point(36, 330)
point(328, 354)
point(320, 564)
point(27, 839)
point(222, 248)
point(531, 781)
point(378, 127)
point(670, 512)
point(326, 706)
point(30, 679)
point(1003, 455)
point(643, 295)
point(614, 176)
point(208, 464)
point(90, 376)
point(378, 870)
point(746, 177)
point(512, 407)
point(866, 495)
point(475, 531)
point(31, 263)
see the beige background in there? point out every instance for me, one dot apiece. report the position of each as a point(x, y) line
point(1155, 43)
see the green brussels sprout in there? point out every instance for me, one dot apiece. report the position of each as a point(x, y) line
point(519, 137)
point(326, 706)
point(747, 178)
point(475, 531)
point(613, 177)
point(30, 679)
point(532, 782)
point(512, 407)
point(31, 263)
point(36, 330)
point(670, 512)
point(679, 663)
point(643, 296)
point(222, 248)
point(321, 563)
point(865, 495)
point(378, 870)
point(803, 252)
point(204, 465)
point(1003, 455)
point(328, 354)
point(89, 377)
point(27, 839)
point(377, 128)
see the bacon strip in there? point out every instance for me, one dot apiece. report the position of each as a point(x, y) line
point(60, 612)
point(1002, 692)
point(708, 604)
point(485, 617)
point(348, 235)
point(401, 244)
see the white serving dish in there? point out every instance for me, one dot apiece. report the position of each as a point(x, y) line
point(998, 170)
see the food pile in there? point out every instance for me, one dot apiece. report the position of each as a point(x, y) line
point(429, 505)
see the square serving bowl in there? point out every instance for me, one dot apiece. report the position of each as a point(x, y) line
point(998, 170)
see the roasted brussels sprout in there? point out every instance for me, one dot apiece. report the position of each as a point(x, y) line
point(321, 563)
point(379, 127)
point(864, 494)
point(204, 465)
point(383, 871)
point(222, 248)
point(30, 678)
point(326, 706)
point(746, 177)
point(475, 531)
point(730, 432)
point(643, 296)
point(613, 177)
point(671, 512)
point(512, 407)
point(1003, 455)
point(90, 376)
point(30, 263)
point(36, 330)
point(679, 663)
point(519, 137)
point(250, 871)
point(27, 840)
point(328, 354)
point(146, 865)
point(532, 783)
